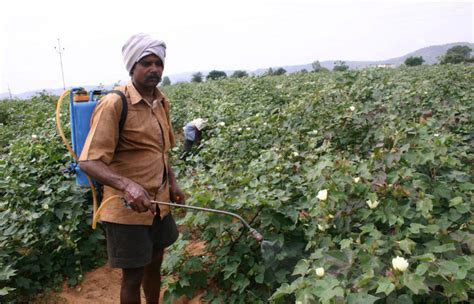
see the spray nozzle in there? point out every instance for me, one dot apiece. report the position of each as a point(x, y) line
point(256, 235)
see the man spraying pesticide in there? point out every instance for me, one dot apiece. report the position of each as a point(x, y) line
point(133, 163)
point(126, 150)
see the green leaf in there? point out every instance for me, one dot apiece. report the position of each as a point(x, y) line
point(367, 277)
point(195, 264)
point(284, 289)
point(443, 248)
point(466, 186)
point(44, 188)
point(329, 294)
point(404, 299)
point(304, 296)
point(414, 282)
point(455, 201)
point(448, 267)
point(59, 213)
point(463, 208)
point(301, 267)
point(230, 269)
point(432, 229)
point(415, 228)
point(422, 269)
point(259, 278)
point(407, 245)
point(385, 286)
point(239, 284)
point(326, 288)
point(458, 289)
point(5, 290)
point(346, 243)
point(184, 281)
point(425, 206)
point(427, 157)
point(6, 272)
point(361, 298)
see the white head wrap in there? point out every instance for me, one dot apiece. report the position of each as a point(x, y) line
point(198, 123)
point(190, 128)
point(139, 46)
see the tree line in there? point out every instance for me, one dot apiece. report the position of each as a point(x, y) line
point(456, 54)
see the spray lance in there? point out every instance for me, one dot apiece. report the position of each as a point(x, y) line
point(253, 233)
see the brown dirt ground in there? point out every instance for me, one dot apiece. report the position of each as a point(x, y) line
point(102, 286)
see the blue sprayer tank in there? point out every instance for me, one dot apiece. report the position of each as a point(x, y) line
point(81, 106)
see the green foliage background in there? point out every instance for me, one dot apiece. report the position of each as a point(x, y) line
point(45, 234)
point(274, 142)
point(403, 137)
point(457, 54)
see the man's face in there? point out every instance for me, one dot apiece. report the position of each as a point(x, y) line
point(148, 71)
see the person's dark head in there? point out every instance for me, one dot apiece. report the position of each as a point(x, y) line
point(147, 72)
point(144, 58)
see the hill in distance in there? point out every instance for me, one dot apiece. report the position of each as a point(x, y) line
point(430, 54)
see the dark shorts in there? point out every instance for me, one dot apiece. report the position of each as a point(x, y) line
point(132, 246)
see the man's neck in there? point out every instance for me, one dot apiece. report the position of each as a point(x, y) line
point(145, 92)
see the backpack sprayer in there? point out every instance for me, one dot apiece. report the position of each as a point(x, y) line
point(81, 107)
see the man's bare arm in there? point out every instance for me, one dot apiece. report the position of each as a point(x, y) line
point(134, 194)
point(176, 195)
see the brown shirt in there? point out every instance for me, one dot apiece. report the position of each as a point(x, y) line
point(139, 152)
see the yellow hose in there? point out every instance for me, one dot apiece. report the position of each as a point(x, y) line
point(96, 216)
point(96, 213)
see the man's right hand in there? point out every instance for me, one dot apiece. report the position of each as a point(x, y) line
point(134, 194)
point(138, 198)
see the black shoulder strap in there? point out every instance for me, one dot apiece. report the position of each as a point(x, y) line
point(123, 115)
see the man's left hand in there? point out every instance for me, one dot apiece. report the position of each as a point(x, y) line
point(177, 195)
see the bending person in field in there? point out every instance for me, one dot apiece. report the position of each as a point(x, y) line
point(133, 163)
point(192, 135)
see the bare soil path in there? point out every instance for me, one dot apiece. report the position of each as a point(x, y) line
point(102, 286)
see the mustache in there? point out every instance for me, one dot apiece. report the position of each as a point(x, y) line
point(153, 77)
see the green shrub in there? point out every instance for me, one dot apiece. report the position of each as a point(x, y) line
point(392, 148)
point(44, 218)
point(398, 140)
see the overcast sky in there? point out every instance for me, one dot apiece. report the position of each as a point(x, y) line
point(212, 34)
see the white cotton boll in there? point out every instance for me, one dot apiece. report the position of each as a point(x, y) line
point(322, 195)
point(399, 264)
point(372, 204)
point(320, 272)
